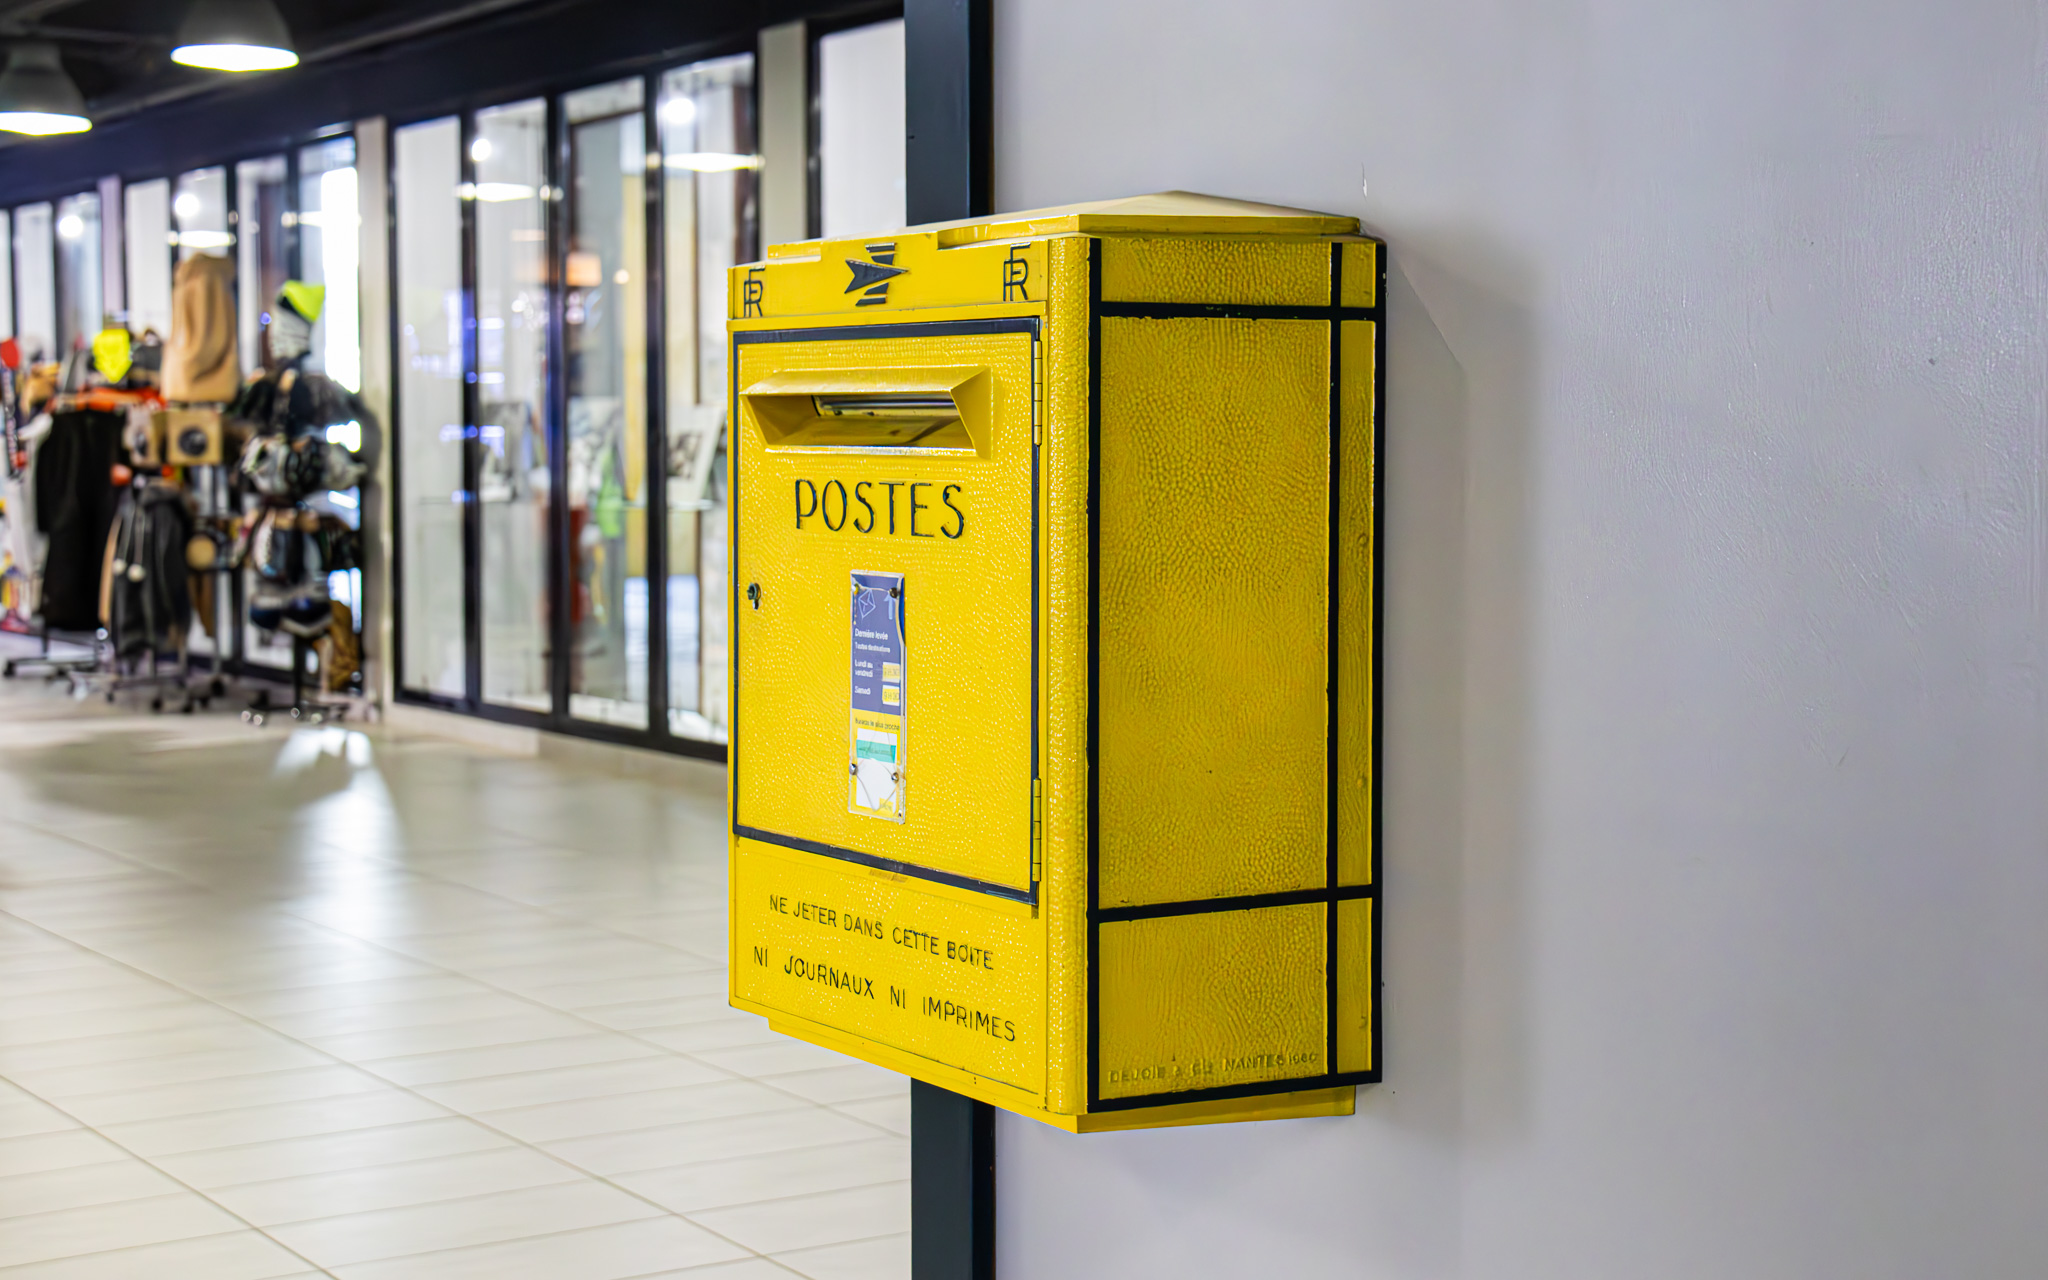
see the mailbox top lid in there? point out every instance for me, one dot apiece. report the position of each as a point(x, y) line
point(1167, 212)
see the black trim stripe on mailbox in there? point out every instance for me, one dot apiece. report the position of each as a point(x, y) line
point(1028, 325)
point(886, 864)
point(1248, 902)
point(1331, 894)
point(909, 329)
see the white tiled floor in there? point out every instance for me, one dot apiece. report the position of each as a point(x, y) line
point(318, 1003)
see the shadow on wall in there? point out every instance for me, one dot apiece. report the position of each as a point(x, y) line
point(1459, 757)
point(1378, 1194)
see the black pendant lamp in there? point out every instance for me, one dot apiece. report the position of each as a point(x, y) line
point(235, 35)
point(37, 96)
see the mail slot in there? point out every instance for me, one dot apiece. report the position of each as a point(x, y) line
point(1053, 773)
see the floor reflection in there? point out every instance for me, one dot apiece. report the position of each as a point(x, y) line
point(332, 1002)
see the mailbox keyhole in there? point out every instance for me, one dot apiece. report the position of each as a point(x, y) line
point(754, 593)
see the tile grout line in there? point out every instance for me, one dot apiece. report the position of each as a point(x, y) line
point(442, 967)
point(137, 1156)
point(660, 1210)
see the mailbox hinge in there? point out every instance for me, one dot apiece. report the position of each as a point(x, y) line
point(1037, 830)
point(1037, 392)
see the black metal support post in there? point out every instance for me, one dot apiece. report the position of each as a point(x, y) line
point(948, 153)
point(949, 110)
point(952, 1186)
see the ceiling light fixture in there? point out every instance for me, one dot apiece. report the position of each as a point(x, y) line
point(36, 96)
point(235, 35)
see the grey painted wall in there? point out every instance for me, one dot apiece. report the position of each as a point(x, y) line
point(1716, 810)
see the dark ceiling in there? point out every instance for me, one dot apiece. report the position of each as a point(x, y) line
point(119, 51)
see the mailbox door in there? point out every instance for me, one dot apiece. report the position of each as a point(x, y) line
point(943, 516)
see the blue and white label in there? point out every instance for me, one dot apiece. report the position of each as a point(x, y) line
point(879, 704)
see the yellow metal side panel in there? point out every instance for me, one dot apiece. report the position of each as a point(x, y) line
point(877, 956)
point(1195, 269)
point(1355, 623)
point(1213, 1000)
point(1064, 761)
point(1361, 273)
point(1355, 989)
point(967, 743)
point(1212, 645)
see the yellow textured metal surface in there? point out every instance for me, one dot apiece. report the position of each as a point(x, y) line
point(1213, 617)
point(1187, 269)
point(1212, 736)
point(967, 761)
point(1355, 1002)
point(1355, 637)
point(1213, 1000)
point(950, 979)
point(1064, 761)
point(1361, 273)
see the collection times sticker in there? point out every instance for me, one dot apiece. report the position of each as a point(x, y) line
point(875, 734)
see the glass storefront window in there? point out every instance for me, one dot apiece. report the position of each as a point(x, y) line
point(860, 130)
point(710, 215)
point(262, 256)
point(604, 328)
point(147, 233)
point(81, 304)
point(532, 477)
point(6, 274)
point(508, 155)
point(329, 221)
point(262, 264)
point(429, 435)
point(35, 282)
point(200, 208)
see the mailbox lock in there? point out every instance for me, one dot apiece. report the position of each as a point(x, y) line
point(754, 593)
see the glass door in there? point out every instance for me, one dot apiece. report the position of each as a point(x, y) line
point(147, 231)
point(508, 163)
point(35, 283)
point(81, 306)
point(710, 215)
point(328, 229)
point(560, 433)
point(262, 256)
point(604, 338)
point(431, 485)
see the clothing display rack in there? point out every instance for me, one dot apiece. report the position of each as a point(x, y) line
point(50, 665)
point(112, 575)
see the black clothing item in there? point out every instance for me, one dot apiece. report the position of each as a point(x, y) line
point(150, 604)
point(75, 504)
point(303, 404)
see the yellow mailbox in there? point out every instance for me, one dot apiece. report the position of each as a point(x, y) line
point(1053, 656)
